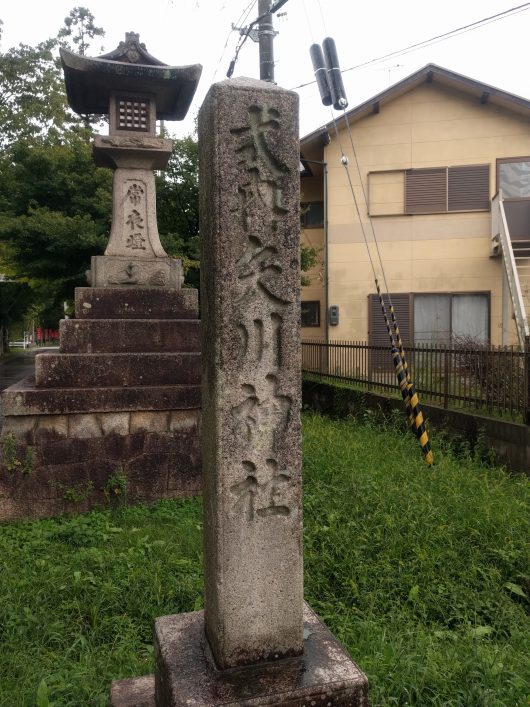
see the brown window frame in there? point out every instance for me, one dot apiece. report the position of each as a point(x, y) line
point(410, 324)
point(447, 169)
point(505, 160)
point(451, 293)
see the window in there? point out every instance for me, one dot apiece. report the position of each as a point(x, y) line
point(312, 214)
point(513, 177)
point(435, 318)
point(447, 189)
point(425, 191)
point(439, 318)
point(377, 334)
point(431, 190)
point(379, 359)
point(310, 313)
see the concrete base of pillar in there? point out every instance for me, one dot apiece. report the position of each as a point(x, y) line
point(186, 673)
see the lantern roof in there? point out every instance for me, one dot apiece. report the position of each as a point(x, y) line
point(128, 68)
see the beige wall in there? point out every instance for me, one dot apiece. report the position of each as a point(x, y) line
point(311, 189)
point(431, 126)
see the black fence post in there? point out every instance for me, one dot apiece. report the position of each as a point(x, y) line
point(446, 377)
point(490, 377)
point(526, 411)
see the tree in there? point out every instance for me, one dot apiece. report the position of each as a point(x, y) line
point(32, 94)
point(54, 203)
point(178, 206)
point(55, 207)
point(80, 27)
point(309, 258)
point(14, 299)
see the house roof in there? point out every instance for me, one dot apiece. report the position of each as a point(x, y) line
point(431, 73)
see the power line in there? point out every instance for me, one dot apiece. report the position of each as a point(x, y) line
point(322, 17)
point(245, 32)
point(309, 26)
point(437, 38)
point(240, 20)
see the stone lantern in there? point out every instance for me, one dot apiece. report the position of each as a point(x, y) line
point(133, 89)
point(122, 393)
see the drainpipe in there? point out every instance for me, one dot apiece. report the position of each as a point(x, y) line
point(326, 259)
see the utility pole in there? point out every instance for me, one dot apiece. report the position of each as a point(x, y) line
point(264, 35)
point(266, 42)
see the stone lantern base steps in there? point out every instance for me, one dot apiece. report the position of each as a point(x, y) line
point(114, 414)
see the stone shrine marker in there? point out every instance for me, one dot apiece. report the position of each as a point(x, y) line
point(251, 374)
point(255, 643)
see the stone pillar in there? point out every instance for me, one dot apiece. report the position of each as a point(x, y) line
point(256, 643)
point(250, 229)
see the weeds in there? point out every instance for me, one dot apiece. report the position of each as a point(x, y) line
point(115, 490)
point(9, 452)
point(74, 493)
point(11, 458)
point(29, 461)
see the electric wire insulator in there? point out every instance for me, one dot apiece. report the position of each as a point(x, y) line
point(338, 94)
point(321, 74)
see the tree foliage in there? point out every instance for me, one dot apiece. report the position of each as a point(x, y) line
point(15, 297)
point(55, 204)
point(54, 215)
point(32, 95)
point(80, 28)
point(178, 206)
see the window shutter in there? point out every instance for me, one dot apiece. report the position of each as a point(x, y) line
point(469, 188)
point(426, 190)
point(378, 334)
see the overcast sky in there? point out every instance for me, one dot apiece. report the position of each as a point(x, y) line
point(196, 31)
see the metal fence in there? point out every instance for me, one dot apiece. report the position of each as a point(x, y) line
point(493, 380)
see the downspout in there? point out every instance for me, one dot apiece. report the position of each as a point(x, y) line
point(326, 263)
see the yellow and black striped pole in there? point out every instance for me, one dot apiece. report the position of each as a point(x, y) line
point(408, 392)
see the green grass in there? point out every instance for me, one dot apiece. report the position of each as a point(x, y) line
point(418, 571)
point(79, 596)
point(421, 573)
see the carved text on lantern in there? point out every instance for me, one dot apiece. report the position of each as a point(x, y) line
point(134, 220)
point(135, 193)
point(135, 241)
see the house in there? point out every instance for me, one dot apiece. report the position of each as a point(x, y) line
point(444, 177)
